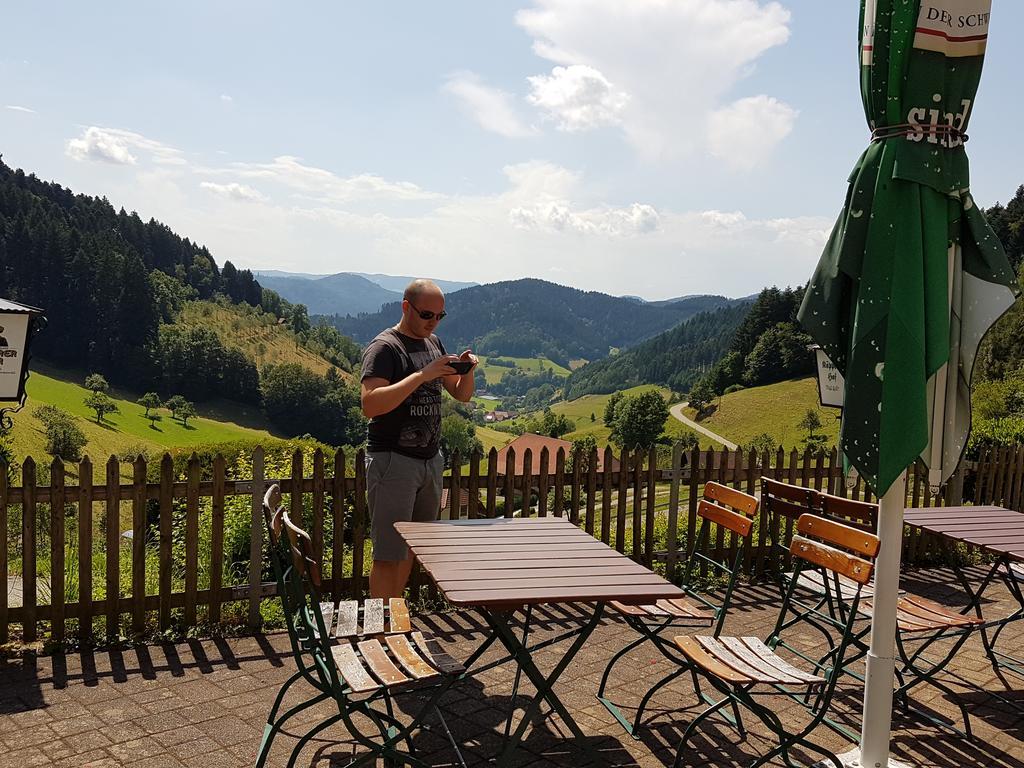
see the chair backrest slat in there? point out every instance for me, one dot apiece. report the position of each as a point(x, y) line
point(736, 523)
point(860, 514)
point(845, 536)
point(827, 554)
point(730, 497)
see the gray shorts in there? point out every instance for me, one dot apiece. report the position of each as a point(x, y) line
point(400, 488)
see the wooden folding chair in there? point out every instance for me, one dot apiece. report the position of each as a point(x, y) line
point(745, 670)
point(360, 656)
point(920, 623)
point(720, 506)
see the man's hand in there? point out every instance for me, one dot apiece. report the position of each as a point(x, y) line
point(468, 355)
point(438, 368)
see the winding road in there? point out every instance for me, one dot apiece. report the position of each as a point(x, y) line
point(677, 412)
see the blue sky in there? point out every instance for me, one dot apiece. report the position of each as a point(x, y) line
point(647, 147)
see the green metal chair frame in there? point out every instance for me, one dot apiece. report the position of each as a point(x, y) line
point(649, 621)
point(735, 667)
point(314, 654)
point(930, 626)
point(828, 613)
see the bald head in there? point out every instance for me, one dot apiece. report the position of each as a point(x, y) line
point(422, 309)
point(420, 288)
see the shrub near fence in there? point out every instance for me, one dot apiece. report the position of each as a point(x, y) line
point(184, 548)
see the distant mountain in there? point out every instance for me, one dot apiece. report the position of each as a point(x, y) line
point(345, 293)
point(673, 359)
point(398, 282)
point(341, 294)
point(530, 317)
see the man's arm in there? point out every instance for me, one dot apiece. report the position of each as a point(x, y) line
point(379, 397)
point(461, 388)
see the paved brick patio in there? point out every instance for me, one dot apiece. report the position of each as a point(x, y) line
point(203, 703)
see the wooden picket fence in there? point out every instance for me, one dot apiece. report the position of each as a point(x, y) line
point(154, 576)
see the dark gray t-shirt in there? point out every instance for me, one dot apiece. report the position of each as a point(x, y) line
point(414, 427)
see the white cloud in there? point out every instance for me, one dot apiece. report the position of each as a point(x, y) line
point(225, 98)
point(744, 133)
point(679, 61)
point(17, 108)
point(322, 184)
point(577, 97)
point(234, 191)
point(492, 108)
point(114, 145)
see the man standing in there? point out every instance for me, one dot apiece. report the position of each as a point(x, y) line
point(403, 368)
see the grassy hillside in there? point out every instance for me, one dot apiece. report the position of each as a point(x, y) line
point(579, 410)
point(495, 373)
point(259, 336)
point(775, 409)
point(128, 431)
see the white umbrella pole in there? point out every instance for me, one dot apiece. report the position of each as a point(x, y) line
point(874, 735)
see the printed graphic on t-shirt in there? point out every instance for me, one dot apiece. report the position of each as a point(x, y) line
point(423, 426)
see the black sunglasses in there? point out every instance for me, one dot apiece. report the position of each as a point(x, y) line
point(427, 314)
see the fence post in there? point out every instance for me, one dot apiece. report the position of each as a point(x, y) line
point(673, 511)
point(318, 504)
point(620, 507)
point(543, 481)
point(85, 548)
point(113, 525)
point(28, 549)
point(256, 538)
point(139, 532)
point(455, 489)
point(216, 538)
point(359, 529)
point(338, 519)
point(527, 481)
point(559, 501)
point(591, 490)
point(510, 481)
point(56, 550)
point(474, 484)
point(492, 483)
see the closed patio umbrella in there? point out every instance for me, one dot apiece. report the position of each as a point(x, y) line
point(910, 281)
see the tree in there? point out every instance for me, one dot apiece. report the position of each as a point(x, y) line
point(639, 420)
point(95, 382)
point(593, 418)
point(154, 417)
point(458, 434)
point(102, 404)
point(812, 422)
point(64, 438)
point(780, 353)
point(701, 396)
point(610, 406)
point(148, 401)
point(582, 450)
point(174, 403)
point(185, 412)
point(762, 443)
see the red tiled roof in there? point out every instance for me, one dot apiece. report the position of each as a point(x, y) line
point(536, 443)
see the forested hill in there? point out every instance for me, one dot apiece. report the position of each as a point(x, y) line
point(106, 278)
point(673, 359)
point(527, 318)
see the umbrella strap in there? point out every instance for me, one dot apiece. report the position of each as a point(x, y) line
point(900, 130)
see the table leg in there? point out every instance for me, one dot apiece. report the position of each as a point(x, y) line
point(544, 685)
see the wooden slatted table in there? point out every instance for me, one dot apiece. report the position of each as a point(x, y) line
point(998, 531)
point(497, 566)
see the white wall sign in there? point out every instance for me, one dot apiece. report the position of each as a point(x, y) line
point(831, 388)
point(13, 335)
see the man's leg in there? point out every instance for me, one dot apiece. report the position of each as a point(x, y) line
point(391, 482)
point(389, 577)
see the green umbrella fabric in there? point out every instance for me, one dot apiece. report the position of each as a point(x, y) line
point(879, 300)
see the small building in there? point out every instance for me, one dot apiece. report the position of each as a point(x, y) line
point(496, 416)
point(463, 500)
